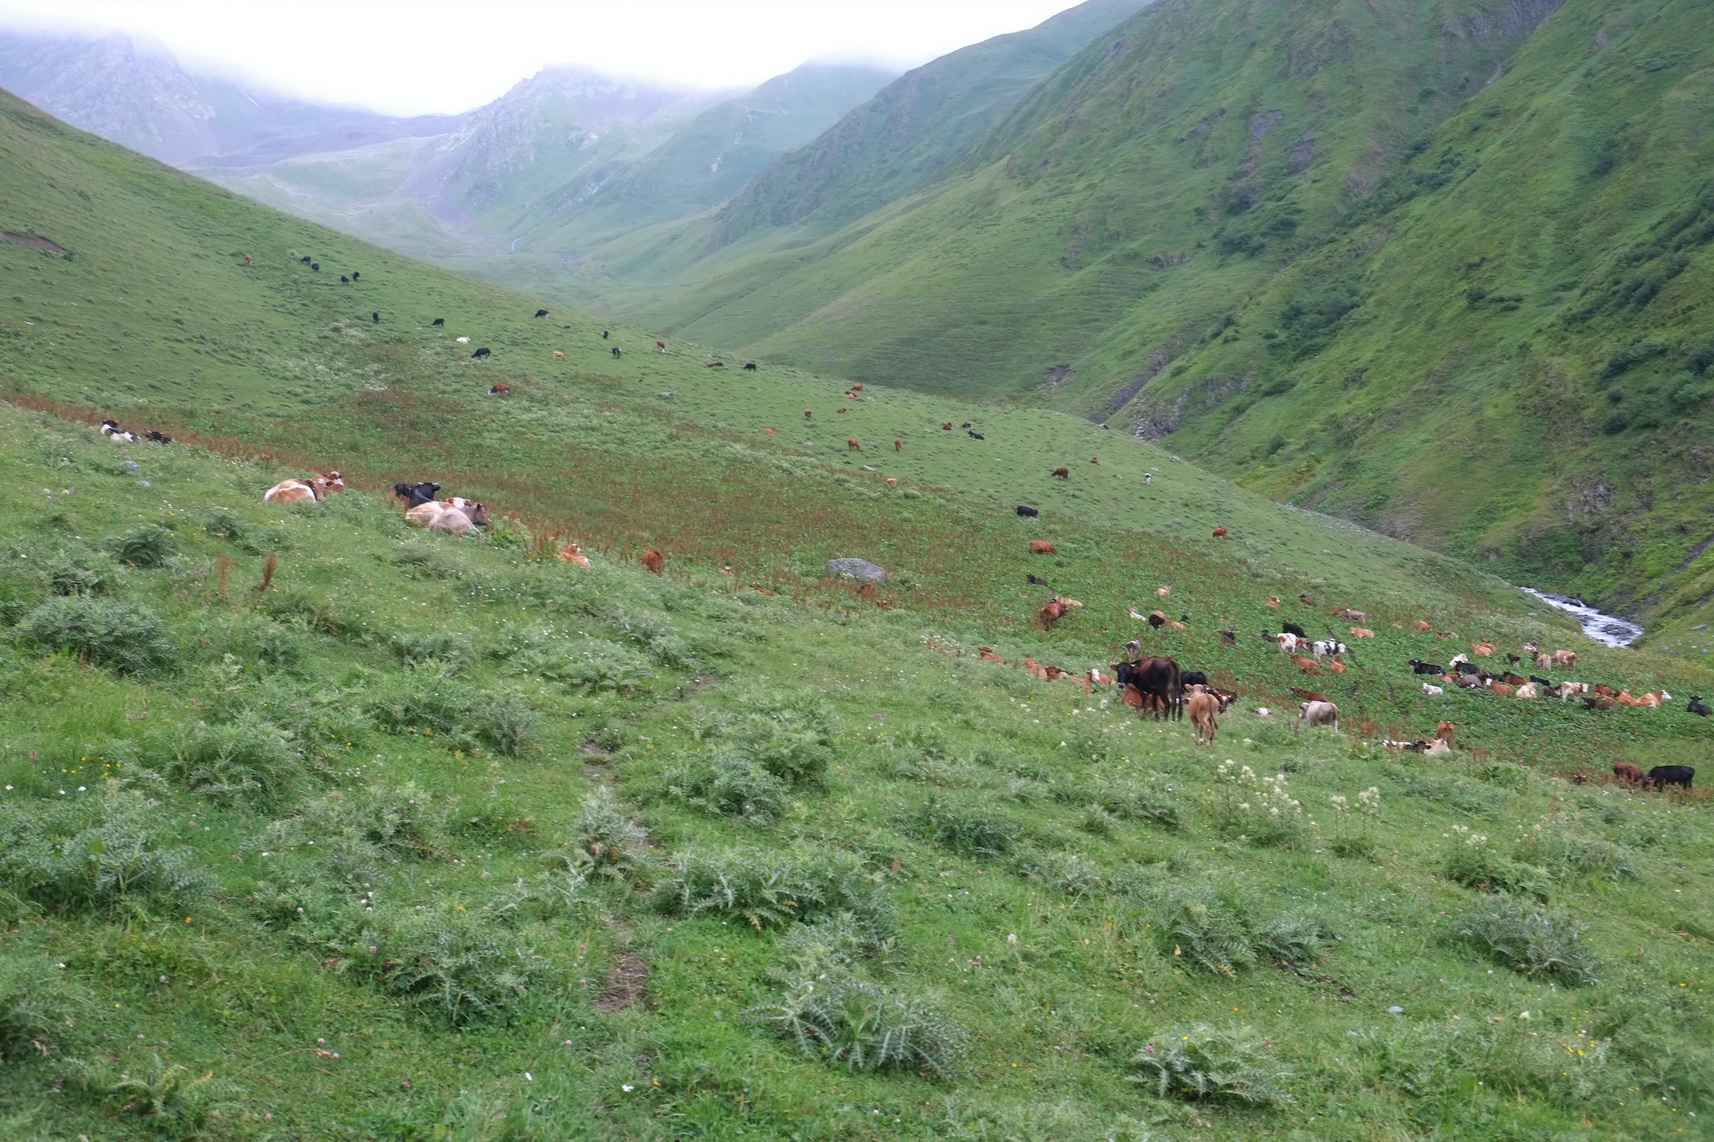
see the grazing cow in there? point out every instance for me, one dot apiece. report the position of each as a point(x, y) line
point(603, 337)
point(1293, 628)
point(247, 259)
point(851, 445)
point(1696, 707)
point(500, 389)
point(438, 321)
point(1288, 641)
point(158, 437)
point(1628, 773)
point(1319, 714)
point(1203, 708)
point(655, 562)
point(986, 654)
point(1443, 732)
point(769, 431)
point(343, 280)
point(316, 266)
point(482, 352)
point(1062, 473)
point(947, 427)
point(355, 274)
point(1156, 681)
point(541, 313)
point(1027, 512)
point(1328, 646)
point(1227, 637)
point(1542, 661)
point(1421, 625)
point(1565, 658)
point(558, 356)
point(1051, 613)
point(1148, 477)
point(1042, 547)
point(722, 365)
point(1189, 678)
point(1431, 690)
point(972, 435)
point(857, 388)
point(305, 261)
point(571, 553)
point(376, 316)
point(1663, 775)
point(808, 414)
point(1220, 532)
point(416, 494)
point(749, 366)
point(898, 446)
point(1569, 690)
point(892, 481)
point(617, 352)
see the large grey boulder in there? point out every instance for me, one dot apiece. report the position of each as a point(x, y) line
point(856, 569)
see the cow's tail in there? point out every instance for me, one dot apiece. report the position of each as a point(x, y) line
point(1175, 692)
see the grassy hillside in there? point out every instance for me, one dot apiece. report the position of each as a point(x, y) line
point(316, 826)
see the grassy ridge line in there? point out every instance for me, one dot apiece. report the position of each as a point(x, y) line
point(1026, 912)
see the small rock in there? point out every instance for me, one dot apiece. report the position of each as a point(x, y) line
point(132, 467)
point(856, 569)
point(1395, 1011)
point(142, 483)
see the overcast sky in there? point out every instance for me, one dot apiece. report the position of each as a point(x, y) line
point(418, 56)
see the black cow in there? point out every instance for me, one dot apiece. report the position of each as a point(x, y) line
point(616, 351)
point(377, 318)
point(355, 275)
point(1189, 678)
point(1157, 620)
point(316, 266)
point(158, 436)
point(541, 313)
point(415, 494)
point(1513, 660)
point(1228, 637)
point(304, 260)
point(966, 424)
point(438, 321)
point(604, 335)
point(343, 280)
point(1028, 513)
point(482, 352)
point(1154, 677)
point(749, 366)
point(1544, 682)
point(1663, 775)
point(1293, 628)
point(976, 436)
point(1425, 667)
point(1696, 706)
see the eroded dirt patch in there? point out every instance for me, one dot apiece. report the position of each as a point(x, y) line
point(625, 982)
point(35, 240)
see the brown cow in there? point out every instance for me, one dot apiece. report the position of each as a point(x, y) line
point(1042, 547)
point(1421, 625)
point(654, 561)
point(1443, 732)
point(898, 446)
point(1565, 658)
point(1051, 613)
point(558, 356)
point(851, 445)
point(1307, 665)
point(808, 414)
point(856, 388)
point(987, 655)
point(1362, 632)
point(1220, 532)
point(1062, 473)
point(1628, 773)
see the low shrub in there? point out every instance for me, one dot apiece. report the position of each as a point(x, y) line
point(101, 858)
point(455, 649)
point(147, 546)
point(1067, 873)
point(404, 822)
point(732, 785)
point(246, 759)
point(790, 735)
point(607, 839)
point(1531, 939)
point(1203, 926)
point(843, 1018)
point(1126, 799)
point(968, 827)
point(1204, 1062)
point(594, 664)
point(1473, 860)
point(102, 632)
point(38, 1005)
point(74, 573)
point(775, 889)
point(466, 967)
point(164, 1093)
point(251, 538)
point(1258, 810)
point(428, 700)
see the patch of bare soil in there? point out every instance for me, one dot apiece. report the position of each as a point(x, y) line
point(35, 240)
point(625, 982)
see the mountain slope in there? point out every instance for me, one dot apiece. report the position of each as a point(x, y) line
point(1314, 244)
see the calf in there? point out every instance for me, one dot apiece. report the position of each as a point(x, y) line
point(1219, 532)
point(1663, 775)
point(1696, 707)
point(500, 389)
point(1362, 632)
point(541, 313)
point(1051, 613)
point(1628, 773)
point(654, 561)
point(1042, 547)
point(1431, 690)
point(571, 553)
point(851, 445)
point(1203, 708)
point(1350, 615)
point(1319, 714)
point(558, 356)
point(1062, 473)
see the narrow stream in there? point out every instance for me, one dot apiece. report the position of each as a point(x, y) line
point(1609, 629)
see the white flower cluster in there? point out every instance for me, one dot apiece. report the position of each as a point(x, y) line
point(1473, 839)
point(1267, 794)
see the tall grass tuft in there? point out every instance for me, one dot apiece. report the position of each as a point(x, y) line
point(1204, 1062)
point(147, 546)
point(38, 1005)
point(774, 889)
point(103, 858)
point(1531, 939)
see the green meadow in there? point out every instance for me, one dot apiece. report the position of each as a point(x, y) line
point(319, 826)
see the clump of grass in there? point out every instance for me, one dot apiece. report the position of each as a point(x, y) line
point(1221, 932)
point(607, 839)
point(105, 861)
point(428, 700)
point(454, 648)
point(732, 785)
point(102, 632)
point(775, 889)
point(1353, 832)
point(159, 1091)
point(147, 546)
point(251, 538)
point(38, 1005)
point(1531, 939)
point(1067, 873)
point(74, 573)
point(968, 827)
point(248, 758)
point(464, 966)
point(790, 735)
point(1473, 860)
point(1256, 809)
point(1126, 799)
point(404, 822)
point(595, 664)
point(1204, 1062)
